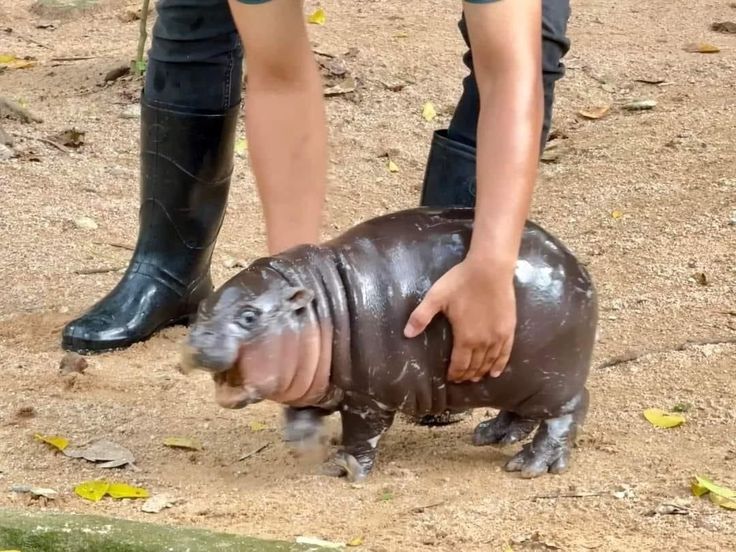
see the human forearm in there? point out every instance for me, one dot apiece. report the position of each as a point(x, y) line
point(285, 127)
point(285, 121)
point(507, 61)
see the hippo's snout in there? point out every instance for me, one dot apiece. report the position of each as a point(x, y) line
point(204, 350)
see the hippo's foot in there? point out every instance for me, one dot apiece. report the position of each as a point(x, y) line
point(303, 426)
point(552, 444)
point(505, 429)
point(363, 425)
point(446, 418)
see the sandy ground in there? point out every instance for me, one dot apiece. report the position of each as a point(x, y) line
point(670, 172)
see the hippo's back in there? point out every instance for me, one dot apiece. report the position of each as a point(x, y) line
point(387, 265)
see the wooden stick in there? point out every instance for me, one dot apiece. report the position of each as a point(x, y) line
point(142, 36)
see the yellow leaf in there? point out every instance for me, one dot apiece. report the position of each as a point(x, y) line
point(121, 490)
point(617, 214)
point(594, 112)
point(92, 490)
point(257, 426)
point(723, 502)
point(392, 166)
point(702, 484)
point(318, 17)
point(12, 62)
point(660, 418)
point(182, 442)
point(428, 111)
point(357, 541)
point(507, 548)
point(241, 145)
point(702, 48)
point(54, 440)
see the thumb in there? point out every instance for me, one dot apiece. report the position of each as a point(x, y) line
point(422, 316)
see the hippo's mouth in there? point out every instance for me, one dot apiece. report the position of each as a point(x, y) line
point(230, 392)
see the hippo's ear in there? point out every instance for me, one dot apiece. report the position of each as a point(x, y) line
point(298, 297)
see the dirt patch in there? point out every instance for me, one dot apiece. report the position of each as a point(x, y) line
point(647, 200)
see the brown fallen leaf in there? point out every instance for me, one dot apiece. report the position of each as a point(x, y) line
point(112, 455)
point(72, 362)
point(71, 138)
point(701, 278)
point(595, 112)
point(115, 73)
point(650, 80)
point(701, 48)
point(345, 86)
point(727, 27)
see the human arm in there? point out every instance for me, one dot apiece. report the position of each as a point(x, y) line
point(477, 295)
point(285, 120)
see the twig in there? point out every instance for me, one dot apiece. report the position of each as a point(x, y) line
point(57, 145)
point(636, 355)
point(8, 108)
point(104, 270)
point(567, 495)
point(27, 38)
point(116, 244)
point(142, 36)
point(420, 509)
point(74, 58)
point(254, 452)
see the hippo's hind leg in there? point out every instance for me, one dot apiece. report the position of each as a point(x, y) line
point(552, 444)
point(505, 429)
point(363, 425)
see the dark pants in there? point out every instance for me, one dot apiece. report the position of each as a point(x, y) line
point(195, 62)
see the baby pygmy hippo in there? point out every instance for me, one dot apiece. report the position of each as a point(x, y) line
point(322, 327)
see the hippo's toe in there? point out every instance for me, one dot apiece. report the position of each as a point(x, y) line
point(505, 429)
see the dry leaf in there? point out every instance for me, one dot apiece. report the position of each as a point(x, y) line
point(701, 485)
point(110, 454)
point(701, 278)
point(392, 167)
point(342, 87)
point(9, 61)
point(71, 137)
point(616, 214)
point(727, 27)
point(428, 111)
point(650, 80)
point(241, 146)
point(357, 541)
point(319, 542)
point(640, 105)
point(55, 441)
point(660, 418)
point(257, 426)
point(182, 442)
point(594, 112)
point(114, 74)
point(72, 362)
point(318, 17)
point(701, 48)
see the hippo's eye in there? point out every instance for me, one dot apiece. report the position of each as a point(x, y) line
point(248, 316)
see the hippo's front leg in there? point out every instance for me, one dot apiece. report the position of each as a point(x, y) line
point(363, 425)
point(303, 425)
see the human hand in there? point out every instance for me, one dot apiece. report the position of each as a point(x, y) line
point(478, 299)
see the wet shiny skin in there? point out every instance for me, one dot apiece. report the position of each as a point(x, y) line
point(346, 348)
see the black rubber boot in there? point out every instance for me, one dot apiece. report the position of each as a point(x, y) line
point(186, 166)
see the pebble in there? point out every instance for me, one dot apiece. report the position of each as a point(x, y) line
point(85, 223)
point(6, 153)
point(131, 112)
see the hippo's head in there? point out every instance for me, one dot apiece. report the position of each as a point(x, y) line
point(247, 335)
